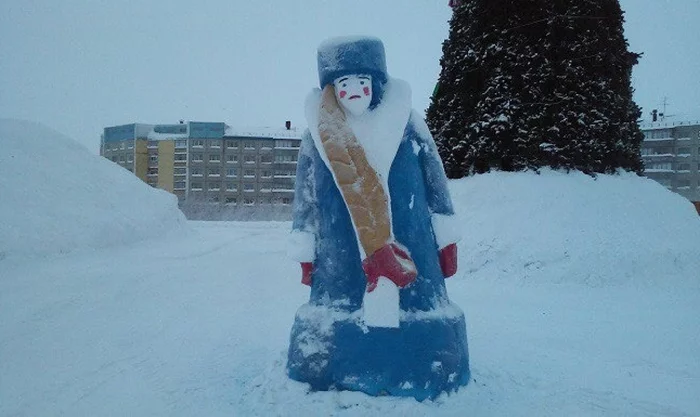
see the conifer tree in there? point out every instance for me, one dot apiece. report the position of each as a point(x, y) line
point(533, 83)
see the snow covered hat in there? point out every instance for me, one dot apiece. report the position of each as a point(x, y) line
point(351, 55)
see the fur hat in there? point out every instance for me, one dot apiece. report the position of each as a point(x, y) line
point(351, 55)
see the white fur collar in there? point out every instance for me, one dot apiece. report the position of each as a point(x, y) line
point(379, 131)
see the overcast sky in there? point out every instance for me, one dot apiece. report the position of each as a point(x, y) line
point(80, 65)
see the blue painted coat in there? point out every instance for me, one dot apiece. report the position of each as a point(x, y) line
point(330, 347)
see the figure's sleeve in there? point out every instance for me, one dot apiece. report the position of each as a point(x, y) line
point(302, 239)
point(445, 223)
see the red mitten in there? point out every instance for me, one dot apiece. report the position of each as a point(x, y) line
point(448, 260)
point(391, 261)
point(306, 268)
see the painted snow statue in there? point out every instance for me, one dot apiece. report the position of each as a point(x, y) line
point(375, 234)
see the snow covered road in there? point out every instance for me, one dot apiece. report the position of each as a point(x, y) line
point(198, 325)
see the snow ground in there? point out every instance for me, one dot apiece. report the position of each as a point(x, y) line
point(198, 325)
point(582, 298)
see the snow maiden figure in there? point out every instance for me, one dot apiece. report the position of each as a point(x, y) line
point(374, 232)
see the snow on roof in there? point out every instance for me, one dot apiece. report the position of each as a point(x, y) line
point(263, 132)
point(665, 124)
point(153, 135)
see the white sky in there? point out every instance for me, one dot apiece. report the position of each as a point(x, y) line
point(81, 65)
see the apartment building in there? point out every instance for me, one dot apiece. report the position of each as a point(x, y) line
point(671, 154)
point(209, 162)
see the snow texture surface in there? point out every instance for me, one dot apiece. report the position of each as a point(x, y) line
point(582, 298)
point(56, 197)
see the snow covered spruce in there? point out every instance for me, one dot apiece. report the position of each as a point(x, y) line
point(373, 223)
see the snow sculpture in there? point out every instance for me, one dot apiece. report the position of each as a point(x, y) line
point(374, 231)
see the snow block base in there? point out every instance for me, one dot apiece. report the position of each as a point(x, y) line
point(426, 356)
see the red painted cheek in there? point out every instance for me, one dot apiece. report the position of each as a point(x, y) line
point(366, 90)
point(343, 93)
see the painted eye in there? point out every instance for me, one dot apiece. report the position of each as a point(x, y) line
point(345, 85)
point(362, 83)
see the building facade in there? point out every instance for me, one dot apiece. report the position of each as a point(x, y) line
point(209, 163)
point(671, 154)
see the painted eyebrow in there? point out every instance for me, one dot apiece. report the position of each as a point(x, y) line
point(363, 77)
point(343, 79)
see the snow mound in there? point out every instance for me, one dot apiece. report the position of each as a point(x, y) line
point(571, 228)
point(56, 197)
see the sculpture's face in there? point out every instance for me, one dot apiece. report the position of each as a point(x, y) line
point(354, 93)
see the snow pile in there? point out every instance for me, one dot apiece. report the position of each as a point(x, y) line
point(571, 228)
point(56, 197)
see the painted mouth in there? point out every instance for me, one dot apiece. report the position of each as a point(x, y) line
point(354, 97)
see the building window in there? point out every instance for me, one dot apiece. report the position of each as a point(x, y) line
point(197, 157)
point(249, 145)
point(266, 159)
point(231, 172)
point(249, 173)
point(249, 159)
point(152, 171)
point(248, 187)
point(683, 167)
point(231, 186)
point(232, 144)
point(684, 151)
point(248, 201)
point(232, 158)
point(180, 143)
point(130, 145)
point(658, 134)
point(286, 200)
point(213, 172)
point(266, 174)
point(151, 144)
point(683, 183)
point(660, 166)
point(215, 144)
point(196, 185)
point(214, 186)
point(153, 157)
point(286, 144)
point(180, 171)
point(130, 158)
point(231, 200)
point(197, 143)
point(285, 158)
point(214, 158)
point(265, 188)
point(196, 171)
point(181, 157)
point(179, 185)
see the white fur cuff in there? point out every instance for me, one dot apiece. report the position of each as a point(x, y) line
point(447, 229)
point(302, 246)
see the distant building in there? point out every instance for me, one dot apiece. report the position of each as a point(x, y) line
point(209, 163)
point(671, 154)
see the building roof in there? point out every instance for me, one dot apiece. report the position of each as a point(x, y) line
point(665, 124)
point(263, 132)
point(194, 130)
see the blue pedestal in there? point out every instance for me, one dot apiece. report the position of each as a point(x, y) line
point(425, 356)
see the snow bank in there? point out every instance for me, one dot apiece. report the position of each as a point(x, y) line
point(557, 227)
point(56, 197)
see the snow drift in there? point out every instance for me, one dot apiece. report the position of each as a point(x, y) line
point(549, 279)
point(558, 227)
point(56, 197)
